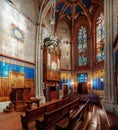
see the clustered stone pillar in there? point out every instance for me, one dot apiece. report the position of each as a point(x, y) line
point(110, 32)
point(39, 50)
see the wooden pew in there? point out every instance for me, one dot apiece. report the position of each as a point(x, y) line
point(38, 113)
point(50, 118)
point(30, 116)
point(78, 113)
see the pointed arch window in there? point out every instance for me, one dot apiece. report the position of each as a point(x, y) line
point(100, 38)
point(82, 46)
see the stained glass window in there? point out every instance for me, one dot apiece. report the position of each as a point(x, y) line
point(100, 38)
point(82, 78)
point(82, 46)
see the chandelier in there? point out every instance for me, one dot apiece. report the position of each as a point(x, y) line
point(52, 41)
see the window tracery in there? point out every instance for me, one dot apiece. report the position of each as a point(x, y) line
point(82, 46)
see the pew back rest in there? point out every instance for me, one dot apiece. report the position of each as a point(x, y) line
point(74, 104)
point(53, 116)
point(60, 103)
point(67, 100)
point(31, 115)
point(50, 107)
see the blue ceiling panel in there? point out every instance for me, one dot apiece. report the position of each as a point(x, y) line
point(87, 3)
point(68, 11)
point(78, 9)
point(60, 6)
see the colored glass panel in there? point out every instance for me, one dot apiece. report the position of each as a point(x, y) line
point(100, 38)
point(82, 46)
point(82, 78)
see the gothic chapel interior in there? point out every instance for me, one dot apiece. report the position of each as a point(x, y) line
point(53, 49)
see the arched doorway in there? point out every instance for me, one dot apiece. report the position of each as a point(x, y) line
point(82, 88)
point(65, 89)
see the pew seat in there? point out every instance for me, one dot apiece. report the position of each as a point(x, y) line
point(53, 117)
point(63, 124)
point(28, 120)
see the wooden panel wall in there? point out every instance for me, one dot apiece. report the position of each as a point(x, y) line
point(15, 79)
point(30, 83)
point(5, 89)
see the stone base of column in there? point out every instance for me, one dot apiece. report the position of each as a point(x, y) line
point(109, 103)
point(116, 109)
point(42, 97)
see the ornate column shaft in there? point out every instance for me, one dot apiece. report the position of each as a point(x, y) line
point(109, 6)
point(39, 52)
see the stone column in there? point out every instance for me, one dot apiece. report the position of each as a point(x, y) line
point(110, 32)
point(38, 65)
point(39, 51)
point(91, 60)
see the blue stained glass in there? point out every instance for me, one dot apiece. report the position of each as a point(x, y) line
point(102, 85)
point(82, 45)
point(61, 82)
point(82, 77)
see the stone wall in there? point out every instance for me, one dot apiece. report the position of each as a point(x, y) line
point(17, 37)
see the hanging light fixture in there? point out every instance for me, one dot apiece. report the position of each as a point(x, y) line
point(52, 41)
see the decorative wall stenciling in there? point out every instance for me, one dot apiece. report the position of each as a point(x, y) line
point(17, 33)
